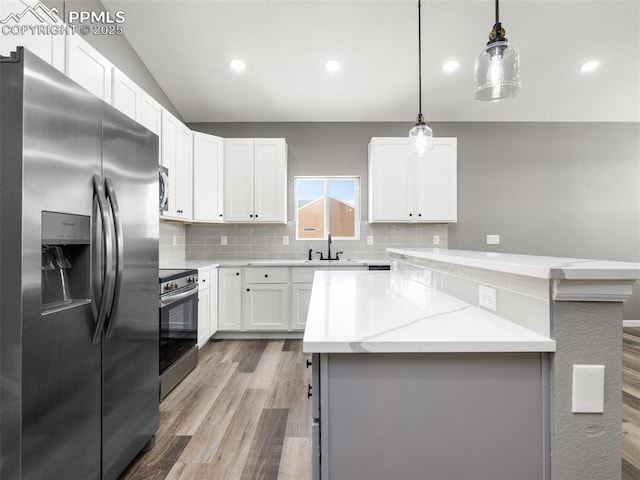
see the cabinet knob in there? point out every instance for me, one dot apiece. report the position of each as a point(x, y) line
point(419, 214)
point(411, 214)
point(309, 391)
point(309, 363)
point(251, 215)
point(266, 275)
point(237, 273)
point(220, 215)
point(247, 289)
point(256, 215)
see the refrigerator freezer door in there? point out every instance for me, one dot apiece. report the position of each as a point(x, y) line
point(61, 385)
point(130, 350)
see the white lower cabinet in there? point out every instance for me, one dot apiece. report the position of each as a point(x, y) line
point(300, 297)
point(265, 306)
point(204, 307)
point(265, 299)
point(229, 299)
point(207, 304)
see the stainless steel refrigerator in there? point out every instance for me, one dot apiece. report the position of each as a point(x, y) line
point(79, 383)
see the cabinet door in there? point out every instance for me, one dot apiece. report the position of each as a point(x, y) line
point(436, 183)
point(270, 164)
point(126, 95)
point(87, 67)
point(229, 299)
point(204, 307)
point(51, 48)
point(150, 113)
point(390, 181)
point(213, 302)
point(238, 180)
point(184, 173)
point(300, 297)
point(265, 306)
point(169, 141)
point(207, 177)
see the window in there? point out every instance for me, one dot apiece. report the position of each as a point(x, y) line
point(327, 205)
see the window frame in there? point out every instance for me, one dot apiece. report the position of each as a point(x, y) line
point(327, 178)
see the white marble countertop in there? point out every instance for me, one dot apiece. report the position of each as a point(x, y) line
point(530, 265)
point(273, 263)
point(391, 312)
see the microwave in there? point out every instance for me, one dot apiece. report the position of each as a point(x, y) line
point(164, 189)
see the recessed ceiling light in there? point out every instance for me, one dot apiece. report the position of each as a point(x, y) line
point(589, 66)
point(332, 65)
point(238, 65)
point(450, 66)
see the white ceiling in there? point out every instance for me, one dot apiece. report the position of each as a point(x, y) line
point(187, 47)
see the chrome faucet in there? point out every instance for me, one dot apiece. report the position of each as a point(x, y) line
point(328, 257)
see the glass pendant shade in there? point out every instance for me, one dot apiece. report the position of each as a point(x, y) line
point(497, 72)
point(420, 141)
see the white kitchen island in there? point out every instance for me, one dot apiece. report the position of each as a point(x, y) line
point(413, 380)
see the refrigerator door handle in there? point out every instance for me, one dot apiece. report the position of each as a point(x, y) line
point(108, 281)
point(119, 257)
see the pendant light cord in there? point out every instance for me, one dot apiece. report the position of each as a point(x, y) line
point(497, 13)
point(419, 63)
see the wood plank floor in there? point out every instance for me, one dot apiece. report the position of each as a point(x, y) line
point(242, 414)
point(631, 404)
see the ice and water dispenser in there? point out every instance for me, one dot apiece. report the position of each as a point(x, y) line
point(66, 261)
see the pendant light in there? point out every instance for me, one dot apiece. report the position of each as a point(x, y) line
point(420, 136)
point(497, 67)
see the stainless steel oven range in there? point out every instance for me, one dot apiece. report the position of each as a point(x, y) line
point(178, 326)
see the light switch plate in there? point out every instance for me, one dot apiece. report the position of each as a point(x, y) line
point(436, 239)
point(223, 240)
point(588, 389)
point(369, 239)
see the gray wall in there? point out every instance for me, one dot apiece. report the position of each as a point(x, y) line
point(560, 189)
point(117, 49)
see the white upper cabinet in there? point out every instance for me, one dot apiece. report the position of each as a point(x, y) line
point(403, 189)
point(177, 156)
point(150, 113)
point(255, 180)
point(126, 95)
point(51, 47)
point(89, 68)
point(208, 151)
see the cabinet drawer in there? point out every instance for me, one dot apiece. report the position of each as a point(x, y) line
point(204, 278)
point(266, 275)
point(304, 274)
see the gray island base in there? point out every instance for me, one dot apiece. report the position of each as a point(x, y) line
point(414, 416)
point(411, 379)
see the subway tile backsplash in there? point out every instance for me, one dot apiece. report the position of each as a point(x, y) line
point(172, 243)
point(255, 241)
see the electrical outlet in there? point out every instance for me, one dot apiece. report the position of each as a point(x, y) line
point(436, 239)
point(223, 240)
point(369, 239)
point(493, 239)
point(487, 297)
point(175, 240)
point(285, 239)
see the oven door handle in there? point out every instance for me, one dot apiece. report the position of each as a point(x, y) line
point(178, 296)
